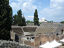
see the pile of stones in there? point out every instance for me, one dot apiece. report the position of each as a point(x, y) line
point(11, 44)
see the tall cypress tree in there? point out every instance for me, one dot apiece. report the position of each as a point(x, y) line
point(36, 19)
point(5, 19)
point(19, 18)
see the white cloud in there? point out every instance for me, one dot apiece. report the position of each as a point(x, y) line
point(55, 12)
point(56, 3)
point(26, 5)
point(15, 6)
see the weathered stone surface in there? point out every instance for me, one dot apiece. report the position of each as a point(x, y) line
point(11, 44)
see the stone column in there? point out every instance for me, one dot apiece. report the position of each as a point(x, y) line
point(20, 39)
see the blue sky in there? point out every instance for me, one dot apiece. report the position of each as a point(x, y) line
point(48, 9)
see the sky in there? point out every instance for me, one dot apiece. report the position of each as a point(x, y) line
point(51, 10)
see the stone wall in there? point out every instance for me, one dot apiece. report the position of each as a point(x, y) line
point(11, 44)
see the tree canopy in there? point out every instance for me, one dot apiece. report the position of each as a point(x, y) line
point(62, 22)
point(19, 19)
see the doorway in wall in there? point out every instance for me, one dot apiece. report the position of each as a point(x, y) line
point(16, 38)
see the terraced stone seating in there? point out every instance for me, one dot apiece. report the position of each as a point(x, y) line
point(11, 44)
point(29, 29)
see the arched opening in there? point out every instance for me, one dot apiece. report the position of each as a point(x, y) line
point(16, 38)
point(62, 31)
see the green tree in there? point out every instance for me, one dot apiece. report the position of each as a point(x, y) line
point(28, 21)
point(36, 19)
point(14, 20)
point(23, 21)
point(19, 18)
point(62, 22)
point(5, 19)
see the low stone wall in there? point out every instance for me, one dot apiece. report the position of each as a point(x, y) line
point(11, 44)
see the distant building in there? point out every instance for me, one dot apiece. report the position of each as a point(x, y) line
point(43, 20)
